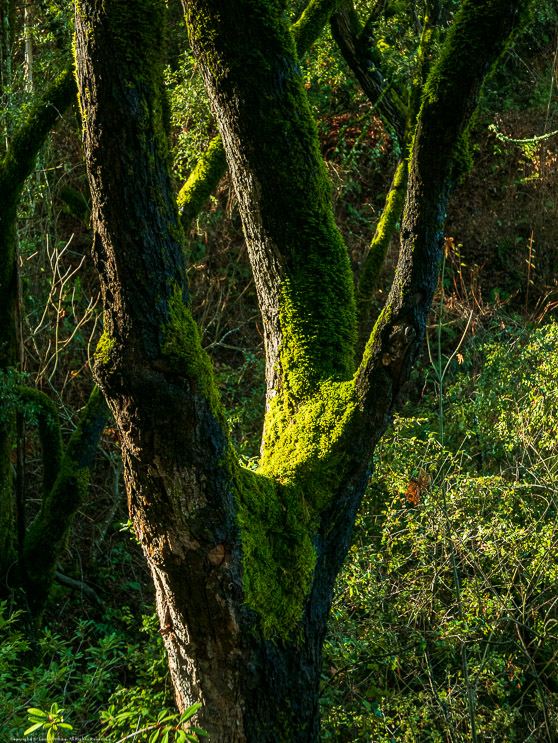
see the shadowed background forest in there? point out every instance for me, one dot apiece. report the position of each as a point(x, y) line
point(454, 550)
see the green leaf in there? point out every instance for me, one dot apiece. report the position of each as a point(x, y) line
point(200, 731)
point(37, 712)
point(190, 712)
point(34, 727)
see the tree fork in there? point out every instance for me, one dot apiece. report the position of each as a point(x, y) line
point(222, 542)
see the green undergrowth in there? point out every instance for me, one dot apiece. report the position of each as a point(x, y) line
point(86, 667)
point(486, 514)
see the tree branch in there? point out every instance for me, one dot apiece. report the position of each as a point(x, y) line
point(19, 161)
point(50, 435)
point(347, 32)
point(393, 209)
point(479, 34)
point(212, 165)
point(307, 29)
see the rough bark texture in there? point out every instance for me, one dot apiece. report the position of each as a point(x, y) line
point(149, 362)
point(244, 562)
point(305, 313)
point(212, 165)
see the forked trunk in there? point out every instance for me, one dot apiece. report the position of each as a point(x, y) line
point(243, 562)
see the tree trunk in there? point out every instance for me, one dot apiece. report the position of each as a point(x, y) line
point(244, 562)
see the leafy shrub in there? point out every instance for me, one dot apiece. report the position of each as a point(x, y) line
point(446, 610)
point(86, 670)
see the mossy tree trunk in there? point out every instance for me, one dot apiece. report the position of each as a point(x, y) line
point(212, 165)
point(244, 562)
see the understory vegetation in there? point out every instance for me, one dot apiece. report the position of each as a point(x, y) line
point(444, 627)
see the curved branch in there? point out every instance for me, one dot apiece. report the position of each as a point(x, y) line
point(15, 166)
point(202, 182)
point(375, 257)
point(19, 161)
point(45, 411)
point(307, 29)
point(76, 203)
point(479, 33)
point(395, 200)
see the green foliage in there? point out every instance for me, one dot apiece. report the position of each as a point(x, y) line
point(167, 728)
point(509, 411)
point(487, 513)
point(87, 667)
point(190, 115)
point(51, 722)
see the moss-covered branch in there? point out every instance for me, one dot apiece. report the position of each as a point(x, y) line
point(352, 41)
point(477, 37)
point(395, 200)
point(19, 161)
point(307, 29)
point(76, 203)
point(212, 165)
point(46, 537)
point(15, 167)
point(385, 230)
point(202, 182)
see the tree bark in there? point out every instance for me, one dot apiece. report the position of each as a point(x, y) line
point(355, 47)
point(244, 562)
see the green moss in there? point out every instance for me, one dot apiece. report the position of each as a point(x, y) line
point(384, 232)
point(311, 23)
point(47, 536)
point(39, 408)
point(316, 297)
point(76, 203)
point(202, 182)
point(478, 23)
point(104, 348)
point(182, 346)
point(279, 505)
point(317, 316)
point(381, 322)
